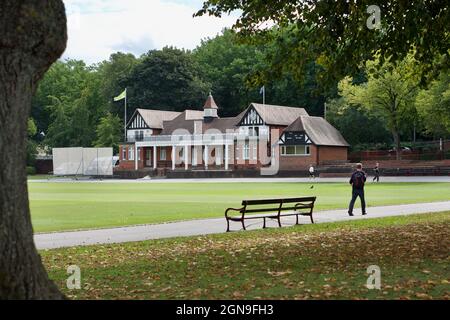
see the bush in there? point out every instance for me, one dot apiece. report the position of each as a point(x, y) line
point(31, 170)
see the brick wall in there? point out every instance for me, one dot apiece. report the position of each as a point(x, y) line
point(332, 153)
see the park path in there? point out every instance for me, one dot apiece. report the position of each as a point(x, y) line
point(214, 226)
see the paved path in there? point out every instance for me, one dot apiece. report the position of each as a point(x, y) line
point(211, 226)
point(243, 180)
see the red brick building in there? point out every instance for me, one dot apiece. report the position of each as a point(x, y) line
point(262, 136)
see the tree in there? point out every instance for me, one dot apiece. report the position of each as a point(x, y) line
point(109, 132)
point(337, 33)
point(31, 144)
point(390, 92)
point(113, 73)
point(358, 125)
point(167, 79)
point(33, 36)
point(433, 105)
point(229, 65)
point(75, 103)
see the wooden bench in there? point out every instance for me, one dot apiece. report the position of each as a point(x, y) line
point(272, 209)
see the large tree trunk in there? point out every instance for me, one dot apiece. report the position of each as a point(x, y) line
point(33, 35)
point(398, 148)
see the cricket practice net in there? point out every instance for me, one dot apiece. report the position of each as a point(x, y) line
point(83, 161)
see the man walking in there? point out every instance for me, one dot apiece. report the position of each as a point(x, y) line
point(357, 181)
point(377, 172)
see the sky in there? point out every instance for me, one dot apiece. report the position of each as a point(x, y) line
point(98, 28)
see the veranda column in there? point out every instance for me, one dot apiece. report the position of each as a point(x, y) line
point(135, 157)
point(227, 154)
point(154, 157)
point(173, 157)
point(186, 157)
point(206, 157)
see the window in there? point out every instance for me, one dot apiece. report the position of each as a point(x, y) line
point(124, 153)
point(295, 150)
point(162, 154)
point(130, 153)
point(139, 135)
point(246, 152)
point(139, 154)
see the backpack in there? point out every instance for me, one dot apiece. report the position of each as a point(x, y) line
point(358, 181)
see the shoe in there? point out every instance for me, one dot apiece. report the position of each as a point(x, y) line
point(350, 214)
point(364, 213)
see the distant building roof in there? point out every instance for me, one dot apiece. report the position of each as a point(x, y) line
point(155, 118)
point(318, 130)
point(276, 115)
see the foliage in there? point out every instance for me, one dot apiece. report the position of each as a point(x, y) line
point(433, 105)
point(225, 64)
point(109, 132)
point(358, 125)
point(336, 34)
point(76, 105)
point(389, 92)
point(113, 74)
point(167, 79)
point(31, 144)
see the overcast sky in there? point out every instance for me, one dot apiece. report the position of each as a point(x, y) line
point(98, 28)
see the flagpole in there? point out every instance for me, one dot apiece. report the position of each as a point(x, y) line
point(264, 95)
point(125, 117)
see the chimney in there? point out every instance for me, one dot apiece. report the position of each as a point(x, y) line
point(210, 109)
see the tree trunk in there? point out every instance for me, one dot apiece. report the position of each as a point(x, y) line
point(33, 36)
point(398, 150)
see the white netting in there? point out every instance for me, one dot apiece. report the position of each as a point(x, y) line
point(83, 161)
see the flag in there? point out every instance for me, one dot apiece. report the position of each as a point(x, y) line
point(263, 90)
point(122, 96)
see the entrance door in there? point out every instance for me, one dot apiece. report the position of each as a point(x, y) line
point(148, 157)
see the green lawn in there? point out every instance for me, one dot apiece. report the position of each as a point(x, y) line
point(67, 206)
point(323, 261)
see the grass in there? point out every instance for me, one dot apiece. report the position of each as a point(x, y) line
point(69, 206)
point(324, 261)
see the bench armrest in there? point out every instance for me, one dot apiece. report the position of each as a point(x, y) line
point(233, 209)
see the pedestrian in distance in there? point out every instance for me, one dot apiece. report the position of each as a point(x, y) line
point(376, 171)
point(357, 181)
point(312, 174)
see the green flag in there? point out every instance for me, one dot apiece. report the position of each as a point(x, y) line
point(122, 96)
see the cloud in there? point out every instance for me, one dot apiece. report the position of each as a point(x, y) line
point(98, 28)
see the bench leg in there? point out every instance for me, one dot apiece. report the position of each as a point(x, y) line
point(312, 220)
point(228, 225)
point(243, 224)
point(296, 219)
point(279, 222)
point(264, 225)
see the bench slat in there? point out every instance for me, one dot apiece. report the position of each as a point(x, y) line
point(277, 201)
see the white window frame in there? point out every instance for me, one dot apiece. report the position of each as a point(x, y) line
point(124, 153)
point(131, 153)
point(306, 149)
point(246, 151)
point(163, 154)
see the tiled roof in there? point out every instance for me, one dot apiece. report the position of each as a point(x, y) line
point(155, 118)
point(318, 130)
point(277, 115)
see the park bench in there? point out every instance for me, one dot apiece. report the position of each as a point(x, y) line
point(272, 209)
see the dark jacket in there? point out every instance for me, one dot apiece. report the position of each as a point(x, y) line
point(358, 179)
